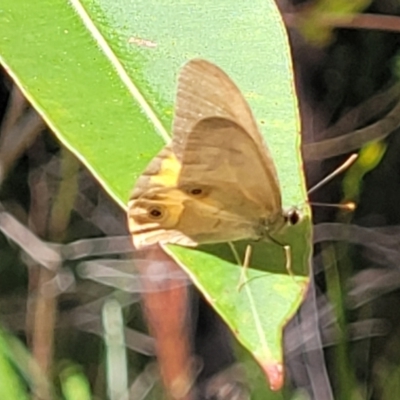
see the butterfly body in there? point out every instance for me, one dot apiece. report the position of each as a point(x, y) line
point(216, 181)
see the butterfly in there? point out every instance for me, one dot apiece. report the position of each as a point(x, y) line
point(216, 181)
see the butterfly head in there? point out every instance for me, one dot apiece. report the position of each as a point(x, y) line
point(277, 222)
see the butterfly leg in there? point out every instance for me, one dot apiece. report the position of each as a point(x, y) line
point(243, 272)
point(288, 255)
point(245, 264)
point(288, 258)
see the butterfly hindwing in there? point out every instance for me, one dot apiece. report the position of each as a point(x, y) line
point(221, 155)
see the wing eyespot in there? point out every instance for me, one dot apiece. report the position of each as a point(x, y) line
point(196, 191)
point(155, 213)
point(143, 213)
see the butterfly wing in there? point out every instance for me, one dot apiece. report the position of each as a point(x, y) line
point(221, 156)
point(216, 180)
point(155, 191)
point(205, 93)
point(167, 209)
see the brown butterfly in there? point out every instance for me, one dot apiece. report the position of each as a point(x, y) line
point(216, 181)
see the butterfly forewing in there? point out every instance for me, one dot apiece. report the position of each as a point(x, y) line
point(203, 91)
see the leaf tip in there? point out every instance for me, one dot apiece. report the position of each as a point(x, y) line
point(274, 374)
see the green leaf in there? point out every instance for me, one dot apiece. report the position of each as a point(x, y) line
point(19, 366)
point(111, 101)
point(256, 311)
point(317, 22)
point(11, 386)
point(74, 384)
point(103, 74)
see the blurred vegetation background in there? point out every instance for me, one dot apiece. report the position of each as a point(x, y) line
point(344, 341)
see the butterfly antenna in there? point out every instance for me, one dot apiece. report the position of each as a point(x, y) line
point(336, 172)
point(349, 206)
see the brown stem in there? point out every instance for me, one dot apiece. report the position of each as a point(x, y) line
point(166, 307)
point(389, 23)
point(43, 306)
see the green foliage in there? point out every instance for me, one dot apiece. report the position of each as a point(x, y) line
point(11, 384)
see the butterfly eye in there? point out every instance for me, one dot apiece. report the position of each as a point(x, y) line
point(155, 212)
point(293, 217)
